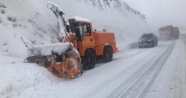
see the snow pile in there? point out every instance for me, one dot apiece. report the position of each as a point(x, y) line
point(47, 49)
point(19, 79)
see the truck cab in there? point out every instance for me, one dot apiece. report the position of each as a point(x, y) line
point(90, 44)
point(84, 35)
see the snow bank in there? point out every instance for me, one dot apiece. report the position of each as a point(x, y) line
point(20, 79)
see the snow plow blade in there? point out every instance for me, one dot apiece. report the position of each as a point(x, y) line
point(69, 68)
point(61, 59)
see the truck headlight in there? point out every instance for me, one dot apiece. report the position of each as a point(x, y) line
point(139, 41)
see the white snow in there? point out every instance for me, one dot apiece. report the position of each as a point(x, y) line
point(78, 18)
point(47, 49)
point(171, 81)
point(51, 4)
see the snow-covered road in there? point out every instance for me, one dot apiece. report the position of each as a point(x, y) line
point(158, 72)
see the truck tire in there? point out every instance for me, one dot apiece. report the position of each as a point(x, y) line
point(153, 44)
point(89, 59)
point(107, 54)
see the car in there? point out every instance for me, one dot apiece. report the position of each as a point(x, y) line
point(148, 39)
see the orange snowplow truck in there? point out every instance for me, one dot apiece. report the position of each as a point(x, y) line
point(91, 45)
point(78, 48)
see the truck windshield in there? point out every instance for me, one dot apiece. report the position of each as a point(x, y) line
point(77, 29)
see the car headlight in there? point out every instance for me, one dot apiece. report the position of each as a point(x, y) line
point(149, 39)
point(139, 40)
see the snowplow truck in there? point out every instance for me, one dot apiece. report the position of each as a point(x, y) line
point(176, 32)
point(168, 32)
point(92, 45)
point(78, 47)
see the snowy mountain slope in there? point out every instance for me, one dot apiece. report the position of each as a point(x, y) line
point(37, 24)
point(119, 5)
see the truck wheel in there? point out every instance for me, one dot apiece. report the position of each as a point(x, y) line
point(108, 54)
point(153, 44)
point(89, 59)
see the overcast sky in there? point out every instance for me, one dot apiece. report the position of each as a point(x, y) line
point(161, 12)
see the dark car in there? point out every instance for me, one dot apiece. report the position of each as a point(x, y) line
point(148, 40)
